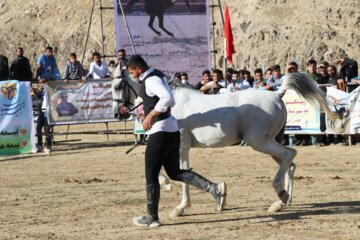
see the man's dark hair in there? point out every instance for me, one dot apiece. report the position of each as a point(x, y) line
point(311, 62)
point(136, 61)
point(205, 72)
point(269, 69)
point(246, 72)
point(258, 70)
point(73, 55)
point(97, 54)
point(333, 66)
point(218, 71)
point(293, 64)
point(184, 74)
point(235, 72)
point(20, 48)
point(276, 67)
point(122, 50)
point(242, 71)
point(49, 48)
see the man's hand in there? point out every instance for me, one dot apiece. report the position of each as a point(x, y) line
point(148, 122)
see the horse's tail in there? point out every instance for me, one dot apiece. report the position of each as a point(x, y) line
point(306, 88)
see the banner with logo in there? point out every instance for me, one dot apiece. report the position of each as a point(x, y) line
point(17, 134)
point(172, 36)
point(302, 117)
point(79, 102)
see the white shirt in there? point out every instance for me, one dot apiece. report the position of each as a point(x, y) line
point(155, 86)
point(97, 71)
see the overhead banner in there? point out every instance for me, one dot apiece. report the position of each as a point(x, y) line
point(302, 117)
point(79, 102)
point(17, 134)
point(348, 106)
point(172, 36)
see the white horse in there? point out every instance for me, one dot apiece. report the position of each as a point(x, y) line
point(255, 116)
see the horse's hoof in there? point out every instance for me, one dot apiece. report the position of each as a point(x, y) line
point(276, 207)
point(176, 213)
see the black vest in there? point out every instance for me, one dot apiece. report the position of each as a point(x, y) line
point(150, 102)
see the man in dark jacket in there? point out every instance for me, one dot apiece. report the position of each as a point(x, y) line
point(20, 68)
point(4, 68)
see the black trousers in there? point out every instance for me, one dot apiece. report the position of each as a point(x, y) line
point(163, 150)
point(42, 122)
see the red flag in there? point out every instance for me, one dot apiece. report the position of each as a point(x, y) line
point(229, 40)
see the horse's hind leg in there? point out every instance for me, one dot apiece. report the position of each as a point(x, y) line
point(151, 23)
point(186, 200)
point(161, 25)
point(284, 157)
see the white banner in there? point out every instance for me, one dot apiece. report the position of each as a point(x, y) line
point(79, 102)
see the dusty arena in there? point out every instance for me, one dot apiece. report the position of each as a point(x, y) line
point(90, 189)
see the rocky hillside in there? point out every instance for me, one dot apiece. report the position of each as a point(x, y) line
point(266, 32)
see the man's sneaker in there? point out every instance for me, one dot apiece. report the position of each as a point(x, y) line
point(221, 196)
point(145, 221)
point(39, 148)
point(47, 150)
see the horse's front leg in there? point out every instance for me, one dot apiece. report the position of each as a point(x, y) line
point(185, 201)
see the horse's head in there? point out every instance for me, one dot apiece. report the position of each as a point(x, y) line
point(124, 92)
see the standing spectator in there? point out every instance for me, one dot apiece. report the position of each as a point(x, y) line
point(206, 77)
point(334, 78)
point(98, 69)
point(248, 80)
point(312, 73)
point(46, 67)
point(323, 71)
point(42, 122)
point(20, 68)
point(73, 70)
point(348, 71)
point(121, 59)
point(4, 68)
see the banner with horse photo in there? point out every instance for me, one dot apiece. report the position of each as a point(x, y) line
point(302, 117)
point(347, 105)
point(79, 102)
point(172, 36)
point(17, 134)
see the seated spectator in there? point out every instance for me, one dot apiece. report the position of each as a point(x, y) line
point(206, 77)
point(185, 79)
point(20, 68)
point(214, 86)
point(259, 82)
point(228, 76)
point(4, 68)
point(235, 82)
point(46, 67)
point(248, 79)
point(112, 66)
point(98, 69)
point(73, 70)
point(274, 82)
point(268, 74)
point(312, 73)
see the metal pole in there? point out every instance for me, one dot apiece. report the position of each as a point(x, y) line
point(221, 13)
point(213, 32)
point(127, 27)
point(88, 32)
point(102, 30)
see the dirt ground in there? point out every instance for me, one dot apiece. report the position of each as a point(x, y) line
point(90, 189)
